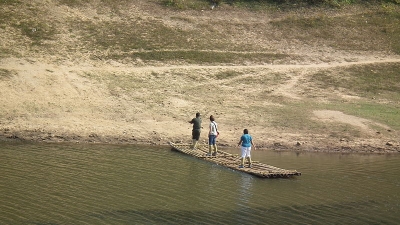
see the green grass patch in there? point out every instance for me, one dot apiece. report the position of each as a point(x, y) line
point(37, 31)
point(124, 37)
point(149, 35)
point(32, 107)
point(121, 83)
point(6, 15)
point(125, 83)
point(376, 30)
point(382, 113)
point(299, 117)
point(377, 80)
point(257, 5)
point(6, 52)
point(78, 3)
point(120, 38)
point(264, 5)
point(209, 57)
point(268, 80)
point(295, 118)
point(227, 74)
point(29, 19)
point(5, 74)
point(186, 4)
point(71, 3)
point(9, 2)
point(390, 20)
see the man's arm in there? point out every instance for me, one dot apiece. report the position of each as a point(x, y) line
point(252, 143)
point(240, 142)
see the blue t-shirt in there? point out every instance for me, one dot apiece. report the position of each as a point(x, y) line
point(246, 140)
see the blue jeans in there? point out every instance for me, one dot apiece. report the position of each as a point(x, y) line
point(212, 139)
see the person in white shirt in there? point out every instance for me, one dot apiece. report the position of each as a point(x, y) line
point(212, 137)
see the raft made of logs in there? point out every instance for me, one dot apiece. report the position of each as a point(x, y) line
point(232, 161)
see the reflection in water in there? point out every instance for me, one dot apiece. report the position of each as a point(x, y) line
point(245, 190)
point(108, 184)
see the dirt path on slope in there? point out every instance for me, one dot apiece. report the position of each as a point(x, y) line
point(58, 103)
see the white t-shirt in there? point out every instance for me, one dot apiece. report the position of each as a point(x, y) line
point(213, 128)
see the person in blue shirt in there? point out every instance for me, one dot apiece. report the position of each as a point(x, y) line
point(246, 141)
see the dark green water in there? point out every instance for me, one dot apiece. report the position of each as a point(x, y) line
point(109, 184)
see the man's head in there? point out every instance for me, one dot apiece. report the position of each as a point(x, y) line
point(245, 131)
point(212, 118)
point(198, 114)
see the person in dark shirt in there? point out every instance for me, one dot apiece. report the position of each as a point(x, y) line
point(196, 130)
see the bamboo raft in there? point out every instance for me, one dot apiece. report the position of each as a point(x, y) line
point(232, 161)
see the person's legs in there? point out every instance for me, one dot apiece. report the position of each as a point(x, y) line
point(250, 163)
point(194, 144)
point(211, 143)
point(193, 139)
point(196, 137)
point(215, 150)
point(241, 162)
point(248, 155)
point(243, 156)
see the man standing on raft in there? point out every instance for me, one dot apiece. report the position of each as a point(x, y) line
point(212, 137)
point(196, 130)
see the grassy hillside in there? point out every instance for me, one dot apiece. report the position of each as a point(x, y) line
point(116, 31)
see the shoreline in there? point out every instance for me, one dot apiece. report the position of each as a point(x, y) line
point(45, 137)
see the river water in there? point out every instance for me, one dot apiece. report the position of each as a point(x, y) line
point(125, 184)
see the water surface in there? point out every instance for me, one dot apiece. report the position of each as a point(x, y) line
point(124, 184)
